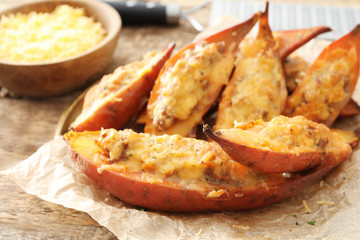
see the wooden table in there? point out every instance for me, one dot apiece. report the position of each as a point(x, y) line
point(26, 124)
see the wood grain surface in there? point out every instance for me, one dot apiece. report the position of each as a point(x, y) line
point(27, 124)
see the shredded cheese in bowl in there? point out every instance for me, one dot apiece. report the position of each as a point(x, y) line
point(48, 36)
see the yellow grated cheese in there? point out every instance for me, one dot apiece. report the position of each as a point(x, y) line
point(39, 37)
point(329, 203)
point(199, 232)
point(215, 193)
point(306, 206)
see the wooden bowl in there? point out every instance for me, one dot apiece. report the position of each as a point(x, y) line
point(54, 78)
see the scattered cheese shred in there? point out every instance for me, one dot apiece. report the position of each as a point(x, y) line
point(329, 203)
point(199, 232)
point(306, 206)
point(215, 193)
point(48, 36)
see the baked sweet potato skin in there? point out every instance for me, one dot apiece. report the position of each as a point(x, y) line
point(329, 83)
point(227, 42)
point(290, 40)
point(171, 197)
point(125, 103)
point(351, 109)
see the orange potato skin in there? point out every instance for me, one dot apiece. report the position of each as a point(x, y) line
point(290, 40)
point(351, 109)
point(276, 162)
point(231, 37)
point(171, 197)
point(117, 113)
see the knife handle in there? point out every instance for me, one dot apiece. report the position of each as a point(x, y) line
point(140, 13)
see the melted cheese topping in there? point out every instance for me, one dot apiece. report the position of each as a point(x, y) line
point(258, 86)
point(186, 83)
point(169, 156)
point(324, 86)
point(284, 134)
point(39, 37)
point(295, 69)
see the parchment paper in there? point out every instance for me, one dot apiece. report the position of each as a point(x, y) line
point(51, 175)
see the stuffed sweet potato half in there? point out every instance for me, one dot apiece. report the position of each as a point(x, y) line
point(177, 174)
point(118, 96)
point(329, 83)
point(191, 81)
point(257, 88)
point(283, 144)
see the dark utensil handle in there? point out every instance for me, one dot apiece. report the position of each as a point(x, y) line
point(139, 13)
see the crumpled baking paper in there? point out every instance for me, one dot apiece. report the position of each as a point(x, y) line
point(51, 175)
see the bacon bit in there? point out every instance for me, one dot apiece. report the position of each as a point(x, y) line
point(103, 151)
point(326, 203)
point(306, 206)
point(215, 193)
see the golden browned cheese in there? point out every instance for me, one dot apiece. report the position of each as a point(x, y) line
point(283, 134)
point(323, 87)
point(186, 84)
point(168, 156)
point(295, 68)
point(257, 88)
